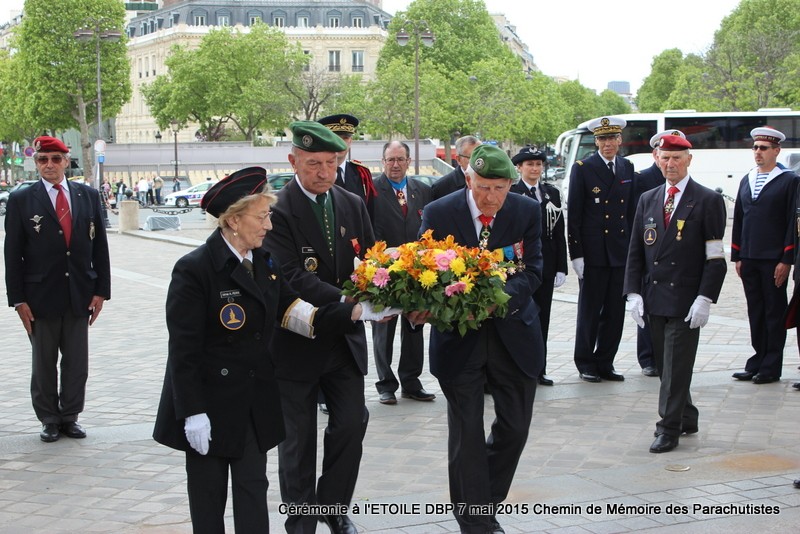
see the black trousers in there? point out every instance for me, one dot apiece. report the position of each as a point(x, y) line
point(68, 334)
point(343, 386)
point(412, 350)
point(766, 306)
point(675, 350)
point(207, 483)
point(644, 345)
point(544, 299)
point(481, 469)
point(601, 312)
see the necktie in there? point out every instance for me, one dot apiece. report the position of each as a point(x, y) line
point(611, 166)
point(536, 193)
point(248, 265)
point(401, 199)
point(339, 177)
point(63, 214)
point(486, 230)
point(669, 205)
point(760, 179)
point(327, 227)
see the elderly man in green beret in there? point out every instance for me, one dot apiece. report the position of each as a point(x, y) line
point(505, 352)
point(317, 231)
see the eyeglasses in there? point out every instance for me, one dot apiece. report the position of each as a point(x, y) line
point(262, 218)
point(42, 160)
point(463, 156)
point(756, 148)
point(392, 161)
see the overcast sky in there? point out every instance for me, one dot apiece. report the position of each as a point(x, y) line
point(595, 42)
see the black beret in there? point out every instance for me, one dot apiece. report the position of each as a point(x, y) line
point(236, 185)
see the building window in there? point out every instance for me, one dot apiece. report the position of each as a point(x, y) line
point(254, 18)
point(307, 66)
point(199, 20)
point(334, 60)
point(358, 22)
point(302, 22)
point(278, 22)
point(223, 20)
point(358, 61)
point(333, 22)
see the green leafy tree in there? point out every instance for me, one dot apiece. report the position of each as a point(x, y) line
point(581, 100)
point(659, 84)
point(60, 72)
point(233, 78)
point(610, 103)
point(318, 92)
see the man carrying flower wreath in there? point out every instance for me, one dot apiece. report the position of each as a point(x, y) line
point(504, 351)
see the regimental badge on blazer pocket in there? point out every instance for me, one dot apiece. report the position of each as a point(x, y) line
point(310, 259)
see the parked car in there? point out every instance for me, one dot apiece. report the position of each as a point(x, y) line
point(188, 197)
point(4, 194)
point(279, 179)
point(427, 179)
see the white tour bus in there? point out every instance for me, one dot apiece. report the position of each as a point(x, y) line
point(721, 153)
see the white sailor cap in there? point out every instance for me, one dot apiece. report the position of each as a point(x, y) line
point(657, 137)
point(768, 134)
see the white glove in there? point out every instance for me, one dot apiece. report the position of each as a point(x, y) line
point(577, 266)
point(635, 307)
point(699, 312)
point(198, 432)
point(369, 314)
point(560, 279)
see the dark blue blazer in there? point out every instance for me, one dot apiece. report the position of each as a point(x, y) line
point(40, 269)
point(519, 220)
point(601, 206)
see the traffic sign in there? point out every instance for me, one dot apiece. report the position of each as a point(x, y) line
point(29, 151)
point(100, 146)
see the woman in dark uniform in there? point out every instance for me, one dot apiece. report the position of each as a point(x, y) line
point(220, 401)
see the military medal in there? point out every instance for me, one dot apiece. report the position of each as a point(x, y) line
point(232, 316)
point(650, 234)
point(519, 252)
point(310, 264)
point(679, 224)
point(38, 227)
point(91, 230)
point(484, 242)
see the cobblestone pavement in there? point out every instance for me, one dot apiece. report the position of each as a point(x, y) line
point(586, 467)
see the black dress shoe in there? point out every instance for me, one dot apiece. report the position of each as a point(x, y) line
point(764, 379)
point(339, 524)
point(690, 429)
point(73, 430)
point(649, 371)
point(387, 397)
point(797, 483)
point(589, 377)
point(796, 385)
point(49, 433)
point(612, 376)
point(743, 375)
point(544, 381)
point(419, 395)
point(663, 443)
point(494, 526)
point(324, 408)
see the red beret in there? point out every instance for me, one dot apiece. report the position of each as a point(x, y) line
point(49, 144)
point(233, 187)
point(673, 143)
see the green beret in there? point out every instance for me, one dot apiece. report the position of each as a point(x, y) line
point(492, 162)
point(313, 137)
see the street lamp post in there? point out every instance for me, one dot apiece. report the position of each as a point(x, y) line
point(175, 128)
point(98, 34)
point(419, 29)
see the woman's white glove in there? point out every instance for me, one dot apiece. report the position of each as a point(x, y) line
point(198, 432)
point(577, 265)
point(699, 312)
point(369, 314)
point(635, 307)
point(560, 279)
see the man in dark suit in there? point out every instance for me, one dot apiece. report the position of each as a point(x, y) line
point(58, 276)
point(598, 225)
point(455, 180)
point(530, 163)
point(352, 174)
point(317, 231)
point(644, 181)
point(677, 250)
point(398, 214)
point(762, 245)
point(505, 352)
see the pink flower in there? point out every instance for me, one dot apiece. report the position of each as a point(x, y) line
point(394, 254)
point(456, 287)
point(381, 277)
point(443, 260)
point(354, 278)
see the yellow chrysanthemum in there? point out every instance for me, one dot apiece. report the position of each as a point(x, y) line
point(467, 282)
point(369, 271)
point(501, 274)
point(395, 267)
point(428, 278)
point(458, 266)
